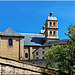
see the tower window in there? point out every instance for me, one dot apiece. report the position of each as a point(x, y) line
point(54, 32)
point(10, 41)
point(36, 53)
point(50, 32)
point(50, 23)
point(26, 55)
point(53, 23)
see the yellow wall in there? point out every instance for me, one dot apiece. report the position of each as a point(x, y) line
point(17, 50)
point(11, 52)
point(26, 50)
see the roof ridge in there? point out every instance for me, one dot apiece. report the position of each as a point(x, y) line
point(9, 29)
point(10, 32)
point(31, 33)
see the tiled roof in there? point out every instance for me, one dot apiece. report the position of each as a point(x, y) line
point(10, 32)
point(33, 39)
point(55, 42)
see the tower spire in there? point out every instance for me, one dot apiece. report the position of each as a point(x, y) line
point(51, 14)
point(51, 28)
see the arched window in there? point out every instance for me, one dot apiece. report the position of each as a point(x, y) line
point(10, 42)
point(43, 52)
point(50, 32)
point(36, 53)
point(49, 47)
point(26, 55)
point(53, 23)
point(50, 23)
point(54, 32)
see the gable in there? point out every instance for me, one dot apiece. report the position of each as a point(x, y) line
point(10, 32)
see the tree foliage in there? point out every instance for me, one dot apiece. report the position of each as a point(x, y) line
point(63, 56)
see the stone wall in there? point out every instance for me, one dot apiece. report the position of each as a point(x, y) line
point(13, 70)
point(8, 66)
point(40, 52)
point(29, 50)
point(40, 62)
point(11, 52)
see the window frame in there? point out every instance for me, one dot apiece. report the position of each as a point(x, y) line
point(10, 42)
point(37, 57)
point(54, 24)
point(42, 52)
point(49, 47)
point(54, 33)
point(37, 53)
point(26, 55)
point(50, 32)
point(50, 24)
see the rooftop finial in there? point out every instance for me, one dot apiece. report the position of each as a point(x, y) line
point(43, 27)
point(51, 14)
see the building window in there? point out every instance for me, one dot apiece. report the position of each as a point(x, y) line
point(50, 32)
point(26, 55)
point(43, 57)
point(37, 58)
point(42, 47)
point(53, 23)
point(54, 32)
point(10, 41)
point(43, 52)
point(50, 23)
point(49, 47)
point(36, 53)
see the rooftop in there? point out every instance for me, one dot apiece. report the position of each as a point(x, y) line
point(9, 32)
point(33, 39)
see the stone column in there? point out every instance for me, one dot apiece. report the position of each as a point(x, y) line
point(31, 55)
point(21, 48)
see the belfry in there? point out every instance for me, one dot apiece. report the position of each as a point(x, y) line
point(51, 28)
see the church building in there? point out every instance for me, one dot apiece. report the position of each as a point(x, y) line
point(27, 46)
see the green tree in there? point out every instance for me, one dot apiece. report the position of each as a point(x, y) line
point(63, 56)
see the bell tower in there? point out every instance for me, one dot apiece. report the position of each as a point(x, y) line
point(51, 28)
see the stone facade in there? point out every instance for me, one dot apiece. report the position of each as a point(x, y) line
point(51, 29)
point(11, 52)
point(29, 50)
point(41, 52)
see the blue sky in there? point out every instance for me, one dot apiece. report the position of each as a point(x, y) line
point(29, 17)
